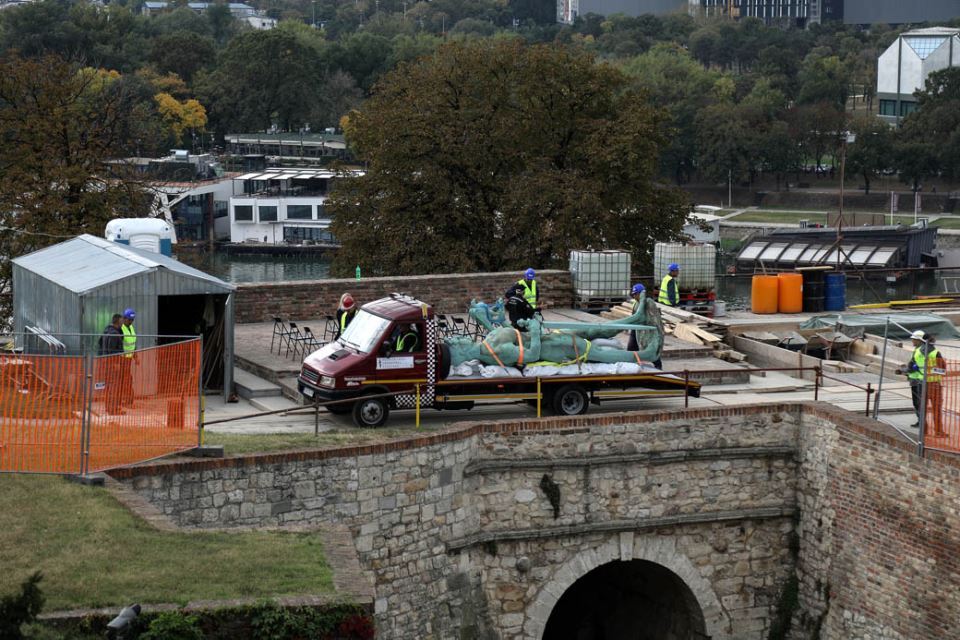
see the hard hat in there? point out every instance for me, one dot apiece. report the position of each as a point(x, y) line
point(530, 274)
point(346, 301)
point(673, 267)
point(129, 313)
point(637, 289)
point(918, 335)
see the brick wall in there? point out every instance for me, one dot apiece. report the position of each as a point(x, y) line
point(879, 534)
point(447, 293)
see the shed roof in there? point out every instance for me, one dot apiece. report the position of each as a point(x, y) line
point(86, 263)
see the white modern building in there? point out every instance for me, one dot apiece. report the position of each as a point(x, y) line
point(903, 68)
point(283, 206)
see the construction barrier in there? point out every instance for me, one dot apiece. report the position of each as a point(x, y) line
point(77, 414)
point(942, 422)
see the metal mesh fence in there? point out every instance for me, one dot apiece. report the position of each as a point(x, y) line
point(85, 413)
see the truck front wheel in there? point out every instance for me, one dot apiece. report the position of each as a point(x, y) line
point(570, 400)
point(370, 412)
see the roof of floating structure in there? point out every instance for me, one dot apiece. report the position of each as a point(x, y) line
point(869, 247)
point(86, 263)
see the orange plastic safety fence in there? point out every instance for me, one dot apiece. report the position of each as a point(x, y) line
point(942, 423)
point(136, 408)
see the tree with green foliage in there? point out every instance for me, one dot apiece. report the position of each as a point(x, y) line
point(263, 78)
point(61, 124)
point(824, 79)
point(936, 121)
point(724, 142)
point(872, 150)
point(493, 155)
point(674, 81)
point(182, 53)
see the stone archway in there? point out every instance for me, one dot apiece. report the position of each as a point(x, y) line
point(633, 599)
point(672, 567)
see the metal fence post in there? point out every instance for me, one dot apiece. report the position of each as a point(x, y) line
point(85, 413)
point(686, 388)
point(921, 446)
point(869, 393)
point(200, 396)
point(816, 383)
point(883, 364)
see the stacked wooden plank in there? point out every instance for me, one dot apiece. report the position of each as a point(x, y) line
point(683, 325)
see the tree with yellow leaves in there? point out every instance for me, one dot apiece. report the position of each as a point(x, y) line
point(188, 115)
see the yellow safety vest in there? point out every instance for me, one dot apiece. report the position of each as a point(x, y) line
point(931, 365)
point(129, 340)
point(664, 297)
point(343, 321)
point(529, 291)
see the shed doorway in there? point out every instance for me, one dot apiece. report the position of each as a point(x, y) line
point(197, 315)
point(636, 599)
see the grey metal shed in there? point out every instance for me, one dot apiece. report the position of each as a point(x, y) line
point(76, 286)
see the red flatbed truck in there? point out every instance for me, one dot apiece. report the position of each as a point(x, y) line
point(361, 374)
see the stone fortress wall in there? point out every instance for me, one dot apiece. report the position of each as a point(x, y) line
point(478, 532)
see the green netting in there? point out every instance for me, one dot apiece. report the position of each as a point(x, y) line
point(901, 324)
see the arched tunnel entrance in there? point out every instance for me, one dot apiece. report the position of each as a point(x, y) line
point(635, 600)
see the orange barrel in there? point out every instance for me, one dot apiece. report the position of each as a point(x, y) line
point(763, 298)
point(790, 296)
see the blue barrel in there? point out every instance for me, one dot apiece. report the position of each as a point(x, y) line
point(835, 291)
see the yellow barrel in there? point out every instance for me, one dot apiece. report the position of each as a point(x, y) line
point(790, 294)
point(763, 298)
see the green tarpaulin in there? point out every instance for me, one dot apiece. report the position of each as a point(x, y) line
point(901, 324)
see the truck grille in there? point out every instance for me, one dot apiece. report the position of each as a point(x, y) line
point(310, 375)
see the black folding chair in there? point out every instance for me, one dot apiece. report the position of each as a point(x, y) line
point(329, 328)
point(279, 327)
point(286, 333)
point(305, 342)
point(460, 327)
point(443, 326)
point(293, 339)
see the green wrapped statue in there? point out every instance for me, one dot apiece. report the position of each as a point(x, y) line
point(588, 342)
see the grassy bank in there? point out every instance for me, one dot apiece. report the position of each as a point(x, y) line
point(93, 552)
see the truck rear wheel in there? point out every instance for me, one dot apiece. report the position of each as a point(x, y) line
point(370, 412)
point(570, 400)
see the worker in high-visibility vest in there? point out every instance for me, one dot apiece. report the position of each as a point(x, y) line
point(669, 295)
point(345, 313)
point(528, 286)
point(129, 353)
point(935, 369)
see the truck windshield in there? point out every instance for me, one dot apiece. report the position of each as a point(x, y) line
point(365, 331)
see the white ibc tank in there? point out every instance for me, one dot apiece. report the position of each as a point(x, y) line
point(698, 264)
point(600, 274)
point(149, 234)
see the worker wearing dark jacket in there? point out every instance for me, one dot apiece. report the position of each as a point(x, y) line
point(111, 341)
point(669, 295)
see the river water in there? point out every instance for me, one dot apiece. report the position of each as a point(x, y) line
point(239, 269)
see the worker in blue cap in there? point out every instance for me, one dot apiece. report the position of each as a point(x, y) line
point(529, 286)
point(522, 298)
point(669, 295)
point(129, 354)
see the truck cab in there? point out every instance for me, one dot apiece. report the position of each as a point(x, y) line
point(390, 346)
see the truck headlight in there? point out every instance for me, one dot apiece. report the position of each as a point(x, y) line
point(327, 381)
